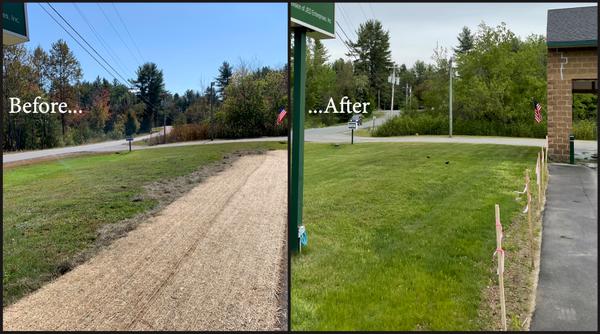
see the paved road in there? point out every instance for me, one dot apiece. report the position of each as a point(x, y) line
point(332, 134)
point(341, 134)
point(568, 282)
point(107, 146)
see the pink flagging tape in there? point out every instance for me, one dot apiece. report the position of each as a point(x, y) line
point(500, 268)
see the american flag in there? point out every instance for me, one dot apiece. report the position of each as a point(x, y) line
point(282, 114)
point(538, 111)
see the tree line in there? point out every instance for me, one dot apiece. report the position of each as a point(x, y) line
point(497, 75)
point(244, 102)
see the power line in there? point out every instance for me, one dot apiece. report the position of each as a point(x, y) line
point(347, 42)
point(127, 30)
point(361, 9)
point(350, 51)
point(91, 55)
point(345, 18)
point(77, 41)
point(117, 32)
point(342, 29)
point(86, 42)
point(372, 12)
point(106, 46)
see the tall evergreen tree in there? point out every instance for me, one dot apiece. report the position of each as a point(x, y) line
point(465, 41)
point(151, 88)
point(374, 55)
point(319, 54)
point(65, 71)
point(39, 64)
point(225, 73)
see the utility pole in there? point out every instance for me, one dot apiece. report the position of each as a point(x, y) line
point(164, 127)
point(212, 132)
point(378, 100)
point(393, 84)
point(450, 102)
point(406, 96)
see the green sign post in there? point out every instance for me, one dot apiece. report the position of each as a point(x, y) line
point(14, 23)
point(316, 19)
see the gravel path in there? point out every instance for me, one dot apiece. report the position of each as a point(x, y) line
point(212, 260)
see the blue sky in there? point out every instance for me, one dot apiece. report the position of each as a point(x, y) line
point(188, 41)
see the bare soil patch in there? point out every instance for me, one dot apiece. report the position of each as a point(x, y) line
point(212, 259)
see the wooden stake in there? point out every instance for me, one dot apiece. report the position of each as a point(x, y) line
point(546, 162)
point(500, 253)
point(542, 173)
point(527, 184)
point(539, 179)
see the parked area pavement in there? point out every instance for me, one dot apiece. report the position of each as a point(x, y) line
point(567, 292)
point(215, 259)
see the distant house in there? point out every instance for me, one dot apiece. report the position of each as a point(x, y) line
point(572, 40)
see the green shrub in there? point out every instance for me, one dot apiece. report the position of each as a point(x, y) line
point(427, 124)
point(585, 130)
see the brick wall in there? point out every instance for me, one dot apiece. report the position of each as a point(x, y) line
point(582, 64)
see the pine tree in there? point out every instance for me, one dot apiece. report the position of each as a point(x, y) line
point(151, 87)
point(465, 41)
point(374, 55)
point(64, 70)
point(225, 73)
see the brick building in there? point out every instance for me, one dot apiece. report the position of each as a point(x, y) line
point(572, 40)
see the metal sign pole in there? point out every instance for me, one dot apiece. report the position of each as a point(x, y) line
point(393, 84)
point(297, 179)
point(450, 103)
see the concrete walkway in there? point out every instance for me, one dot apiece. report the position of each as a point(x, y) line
point(568, 281)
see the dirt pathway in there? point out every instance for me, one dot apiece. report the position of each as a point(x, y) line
point(212, 260)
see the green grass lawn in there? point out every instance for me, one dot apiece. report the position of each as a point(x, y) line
point(52, 210)
point(400, 241)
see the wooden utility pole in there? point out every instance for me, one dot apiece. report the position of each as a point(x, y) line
point(393, 81)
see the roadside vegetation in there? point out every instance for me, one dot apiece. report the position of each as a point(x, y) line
point(497, 76)
point(54, 212)
point(585, 116)
point(408, 246)
point(118, 108)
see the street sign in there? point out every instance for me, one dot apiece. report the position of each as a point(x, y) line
point(129, 140)
point(318, 17)
point(352, 125)
point(14, 23)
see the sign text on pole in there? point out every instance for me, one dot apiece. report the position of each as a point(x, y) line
point(14, 23)
point(317, 17)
